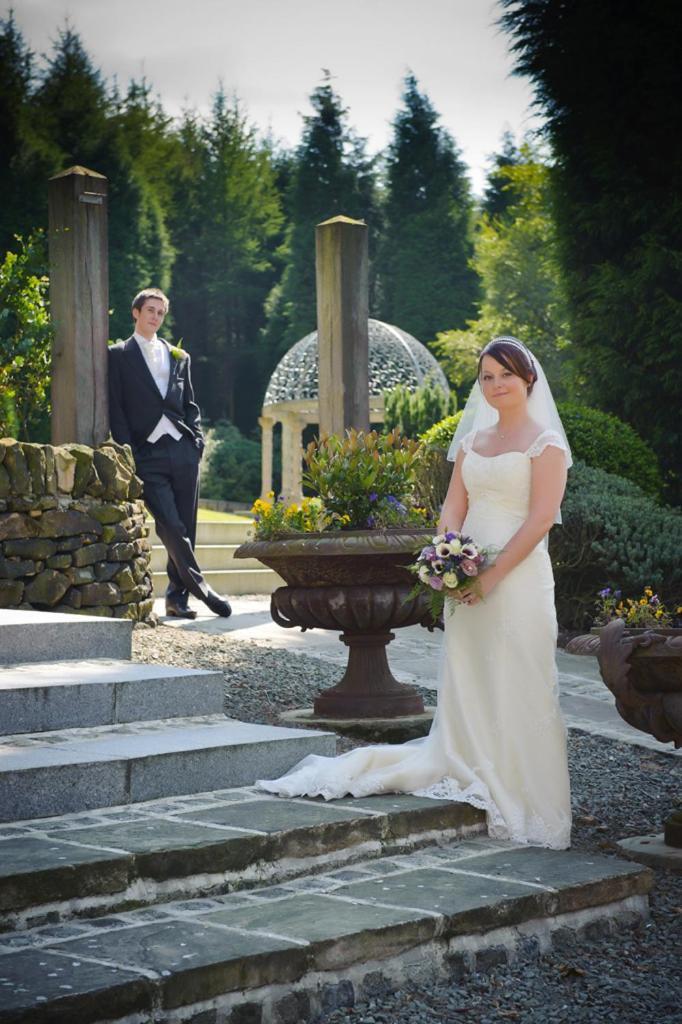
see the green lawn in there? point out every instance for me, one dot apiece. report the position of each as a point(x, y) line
point(207, 515)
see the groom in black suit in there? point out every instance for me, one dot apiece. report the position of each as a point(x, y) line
point(152, 408)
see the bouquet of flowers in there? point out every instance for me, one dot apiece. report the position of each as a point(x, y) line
point(444, 566)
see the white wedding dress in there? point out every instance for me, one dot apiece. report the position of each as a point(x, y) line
point(498, 740)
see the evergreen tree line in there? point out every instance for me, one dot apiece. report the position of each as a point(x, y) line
point(576, 248)
point(222, 218)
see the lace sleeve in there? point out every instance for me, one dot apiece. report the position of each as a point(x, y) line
point(465, 444)
point(543, 440)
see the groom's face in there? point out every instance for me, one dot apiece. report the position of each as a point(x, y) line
point(148, 320)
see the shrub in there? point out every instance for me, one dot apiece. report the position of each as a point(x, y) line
point(605, 442)
point(25, 341)
point(413, 412)
point(232, 470)
point(613, 534)
point(364, 480)
point(440, 434)
point(433, 471)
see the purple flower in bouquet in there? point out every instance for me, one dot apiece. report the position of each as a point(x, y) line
point(468, 567)
point(436, 583)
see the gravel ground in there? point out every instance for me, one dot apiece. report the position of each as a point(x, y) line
point(619, 790)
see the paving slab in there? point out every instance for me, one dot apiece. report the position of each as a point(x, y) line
point(53, 636)
point(35, 870)
point(43, 774)
point(48, 696)
point(194, 960)
point(40, 986)
point(342, 931)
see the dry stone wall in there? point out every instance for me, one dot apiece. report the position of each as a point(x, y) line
point(73, 530)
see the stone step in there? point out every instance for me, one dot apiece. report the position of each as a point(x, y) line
point(215, 532)
point(49, 773)
point(209, 556)
point(319, 942)
point(230, 582)
point(98, 863)
point(27, 636)
point(47, 696)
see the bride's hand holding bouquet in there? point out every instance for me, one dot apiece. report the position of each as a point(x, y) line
point(449, 569)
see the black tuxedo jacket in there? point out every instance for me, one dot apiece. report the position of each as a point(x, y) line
point(135, 403)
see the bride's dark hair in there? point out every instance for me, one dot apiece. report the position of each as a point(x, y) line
point(514, 356)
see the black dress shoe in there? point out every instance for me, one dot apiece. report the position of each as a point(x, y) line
point(217, 604)
point(179, 611)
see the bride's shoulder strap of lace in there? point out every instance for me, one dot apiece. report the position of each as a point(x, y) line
point(468, 441)
point(547, 437)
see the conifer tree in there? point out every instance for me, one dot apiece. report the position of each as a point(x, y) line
point(227, 210)
point(20, 187)
point(426, 283)
point(607, 78)
point(499, 195)
point(332, 175)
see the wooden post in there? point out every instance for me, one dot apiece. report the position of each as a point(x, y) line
point(79, 300)
point(342, 312)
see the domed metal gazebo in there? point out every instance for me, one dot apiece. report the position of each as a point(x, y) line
point(291, 397)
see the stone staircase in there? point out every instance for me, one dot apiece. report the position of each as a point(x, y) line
point(80, 734)
point(216, 544)
point(224, 905)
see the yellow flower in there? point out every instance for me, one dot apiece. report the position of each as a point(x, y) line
point(659, 613)
point(642, 600)
point(648, 591)
point(271, 494)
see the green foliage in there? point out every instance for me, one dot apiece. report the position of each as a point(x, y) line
point(433, 470)
point(25, 341)
point(232, 465)
point(440, 435)
point(516, 258)
point(426, 282)
point(274, 519)
point(618, 201)
point(227, 211)
point(331, 176)
point(364, 480)
point(499, 192)
point(605, 442)
point(613, 534)
point(413, 412)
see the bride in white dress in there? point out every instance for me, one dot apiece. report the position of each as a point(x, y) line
point(498, 740)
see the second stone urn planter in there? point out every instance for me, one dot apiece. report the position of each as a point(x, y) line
point(643, 670)
point(356, 582)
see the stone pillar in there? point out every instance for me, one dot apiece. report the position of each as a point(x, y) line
point(292, 457)
point(342, 312)
point(266, 425)
point(79, 302)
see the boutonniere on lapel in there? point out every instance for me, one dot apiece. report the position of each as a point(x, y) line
point(177, 352)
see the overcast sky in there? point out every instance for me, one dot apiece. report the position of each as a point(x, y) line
point(270, 54)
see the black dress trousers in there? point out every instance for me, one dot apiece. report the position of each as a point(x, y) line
point(169, 470)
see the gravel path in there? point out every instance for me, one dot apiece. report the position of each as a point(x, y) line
point(618, 790)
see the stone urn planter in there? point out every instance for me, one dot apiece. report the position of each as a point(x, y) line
point(643, 670)
point(356, 582)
